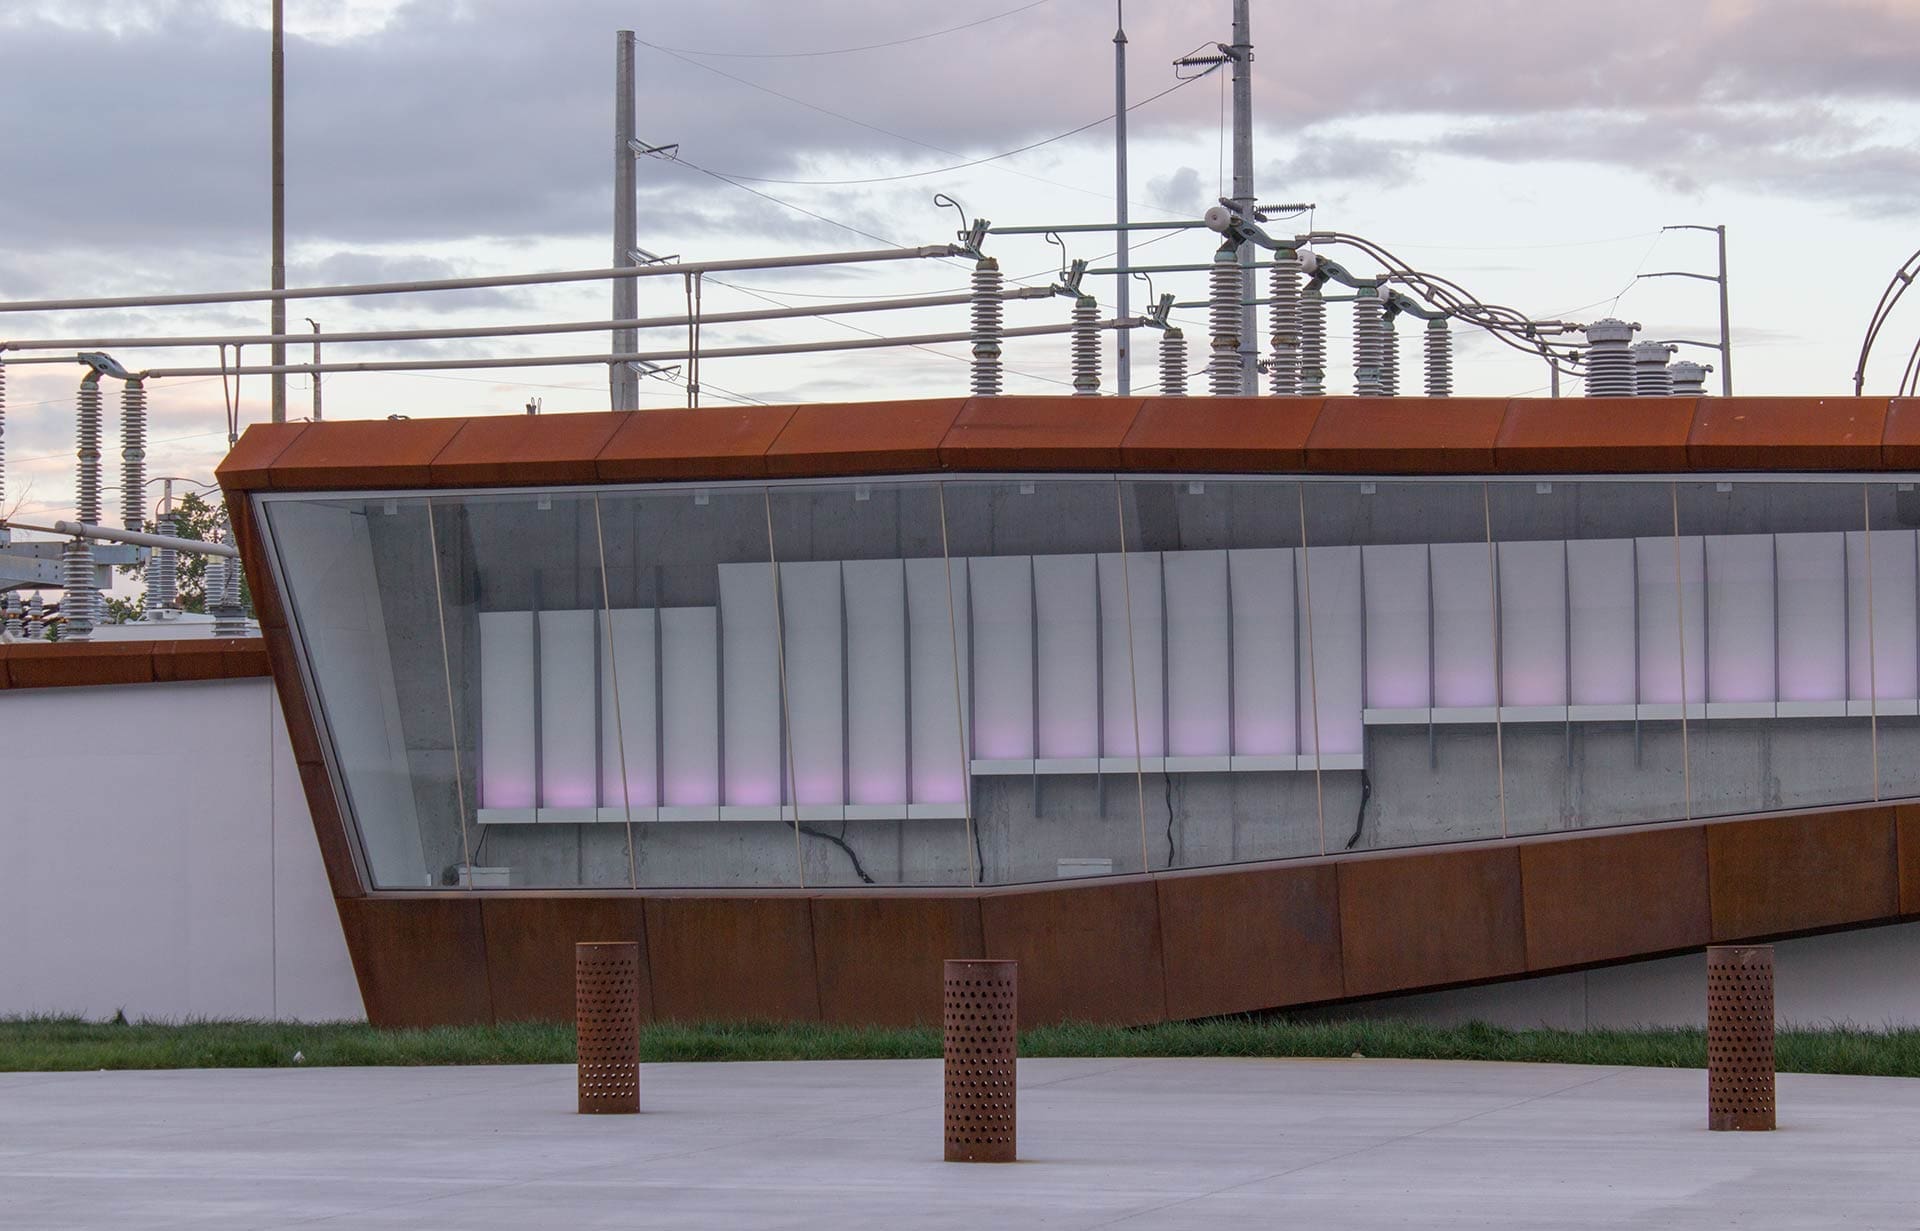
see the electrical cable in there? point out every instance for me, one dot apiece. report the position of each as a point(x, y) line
point(959, 166)
point(1360, 820)
point(1167, 781)
point(898, 136)
point(841, 51)
point(841, 842)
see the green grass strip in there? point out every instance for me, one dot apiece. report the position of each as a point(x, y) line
point(45, 1044)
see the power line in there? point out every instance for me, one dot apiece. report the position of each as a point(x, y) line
point(959, 166)
point(888, 132)
point(841, 51)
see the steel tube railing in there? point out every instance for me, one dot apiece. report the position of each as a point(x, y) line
point(483, 282)
point(591, 360)
point(504, 331)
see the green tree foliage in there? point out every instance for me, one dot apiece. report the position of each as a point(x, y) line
point(194, 517)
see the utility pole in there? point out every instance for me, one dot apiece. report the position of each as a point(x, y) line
point(1241, 53)
point(1725, 345)
point(1123, 349)
point(316, 368)
point(622, 381)
point(278, 318)
point(1726, 327)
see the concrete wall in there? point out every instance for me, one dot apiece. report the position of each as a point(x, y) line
point(1866, 978)
point(157, 857)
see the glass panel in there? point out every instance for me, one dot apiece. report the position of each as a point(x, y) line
point(359, 579)
point(1590, 651)
point(527, 647)
point(690, 575)
point(1217, 659)
point(1893, 513)
point(1044, 598)
point(873, 732)
point(1784, 644)
point(1399, 589)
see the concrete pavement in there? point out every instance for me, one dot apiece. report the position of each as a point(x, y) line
point(846, 1145)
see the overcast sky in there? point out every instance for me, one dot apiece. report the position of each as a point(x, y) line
point(1530, 151)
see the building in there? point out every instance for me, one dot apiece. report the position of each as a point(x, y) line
point(1194, 706)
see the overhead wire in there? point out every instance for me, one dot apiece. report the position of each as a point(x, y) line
point(911, 175)
point(841, 51)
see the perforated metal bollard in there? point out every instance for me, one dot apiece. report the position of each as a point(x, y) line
point(982, 1043)
point(606, 1023)
point(1740, 1038)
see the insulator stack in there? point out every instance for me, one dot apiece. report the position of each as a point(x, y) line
point(1369, 343)
point(1390, 354)
point(163, 572)
point(76, 603)
point(36, 616)
point(87, 449)
point(1651, 379)
point(133, 454)
point(1609, 361)
point(1283, 370)
point(216, 596)
point(1439, 359)
point(1223, 318)
point(1689, 378)
point(229, 618)
point(1313, 341)
point(1173, 363)
point(79, 603)
point(987, 309)
point(16, 627)
point(1086, 347)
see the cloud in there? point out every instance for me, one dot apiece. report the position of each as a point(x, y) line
point(1180, 191)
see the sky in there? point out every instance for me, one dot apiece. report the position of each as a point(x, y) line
point(1531, 152)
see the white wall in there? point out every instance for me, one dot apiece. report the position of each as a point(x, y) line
point(1863, 978)
point(156, 856)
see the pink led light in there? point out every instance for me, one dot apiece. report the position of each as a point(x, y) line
point(691, 791)
point(499, 790)
point(879, 788)
point(569, 793)
point(753, 791)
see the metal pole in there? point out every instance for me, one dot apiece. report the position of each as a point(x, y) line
point(354, 290)
point(1726, 335)
point(1243, 198)
point(1553, 376)
point(599, 359)
point(107, 534)
point(623, 382)
point(1123, 347)
point(316, 368)
point(278, 315)
point(506, 331)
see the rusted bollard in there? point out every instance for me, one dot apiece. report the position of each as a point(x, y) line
point(1740, 1037)
point(606, 1024)
point(982, 1043)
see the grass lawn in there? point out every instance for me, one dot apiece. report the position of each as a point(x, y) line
point(30, 1044)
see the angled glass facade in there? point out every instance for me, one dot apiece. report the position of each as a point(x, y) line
point(981, 680)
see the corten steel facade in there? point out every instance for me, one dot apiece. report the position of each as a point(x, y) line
point(1193, 706)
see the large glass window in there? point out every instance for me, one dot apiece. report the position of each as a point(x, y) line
point(874, 699)
point(955, 681)
point(359, 577)
point(1595, 632)
point(1404, 673)
point(696, 638)
point(1218, 653)
point(1779, 586)
point(1055, 618)
point(524, 612)
point(1891, 551)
